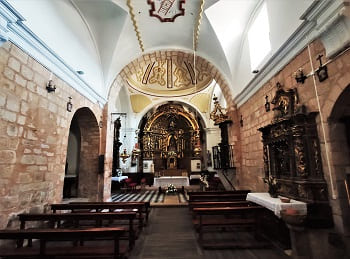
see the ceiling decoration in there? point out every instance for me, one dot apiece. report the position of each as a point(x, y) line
point(198, 23)
point(139, 102)
point(170, 75)
point(136, 29)
point(166, 10)
point(201, 101)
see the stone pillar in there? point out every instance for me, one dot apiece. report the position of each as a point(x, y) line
point(298, 235)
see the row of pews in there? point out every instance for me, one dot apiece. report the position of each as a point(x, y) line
point(78, 230)
point(215, 212)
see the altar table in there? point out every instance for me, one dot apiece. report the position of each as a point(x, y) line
point(274, 204)
point(119, 178)
point(178, 181)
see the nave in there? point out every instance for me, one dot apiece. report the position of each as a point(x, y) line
point(170, 234)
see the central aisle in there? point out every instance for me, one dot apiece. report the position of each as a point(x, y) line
point(170, 235)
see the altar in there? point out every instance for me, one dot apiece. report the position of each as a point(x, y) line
point(275, 204)
point(177, 181)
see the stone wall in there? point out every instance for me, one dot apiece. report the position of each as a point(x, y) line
point(254, 116)
point(34, 128)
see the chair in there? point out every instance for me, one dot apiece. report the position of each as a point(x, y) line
point(143, 183)
point(130, 185)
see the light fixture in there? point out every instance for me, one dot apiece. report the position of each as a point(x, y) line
point(50, 87)
point(69, 104)
point(267, 103)
point(322, 71)
point(124, 155)
point(299, 76)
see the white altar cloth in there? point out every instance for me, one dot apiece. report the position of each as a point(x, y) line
point(119, 178)
point(274, 204)
point(178, 181)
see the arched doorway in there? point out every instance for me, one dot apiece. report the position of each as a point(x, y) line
point(83, 157)
point(339, 131)
point(171, 137)
point(70, 188)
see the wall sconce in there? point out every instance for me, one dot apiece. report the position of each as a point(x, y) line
point(50, 87)
point(267, 104)
point(100, 124)
point(299, 76)
point(69, 104)
point(241, 121)
point(322, 71)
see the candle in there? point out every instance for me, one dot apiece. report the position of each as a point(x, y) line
point(50, 76)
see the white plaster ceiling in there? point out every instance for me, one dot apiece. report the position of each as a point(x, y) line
point(98, 37)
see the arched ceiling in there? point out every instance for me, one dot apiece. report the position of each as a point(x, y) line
point(100, 37)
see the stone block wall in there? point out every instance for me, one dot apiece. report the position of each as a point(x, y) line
point(34, 128)
point(255, 116)
point(251, 172)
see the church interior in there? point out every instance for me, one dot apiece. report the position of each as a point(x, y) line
point(197, 115)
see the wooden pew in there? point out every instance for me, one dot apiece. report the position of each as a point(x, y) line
point(145, 210)
point(218, 192)
point(64, 250)
point(78, 220)
point(213, 204)
point(79, 207)
point(224, 216)
point(218, 197)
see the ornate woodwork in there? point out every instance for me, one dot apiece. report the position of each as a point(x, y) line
point(116, 146)
point(171, 134)
point(291, 153)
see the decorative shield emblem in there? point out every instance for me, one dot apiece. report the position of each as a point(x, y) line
point(166, 10)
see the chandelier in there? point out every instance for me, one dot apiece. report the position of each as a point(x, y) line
point(124, 155)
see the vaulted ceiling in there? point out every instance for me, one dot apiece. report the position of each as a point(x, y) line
point(101, 37)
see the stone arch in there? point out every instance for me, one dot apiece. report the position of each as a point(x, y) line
point(88, 169)
point(134, 66)
point(339, 142)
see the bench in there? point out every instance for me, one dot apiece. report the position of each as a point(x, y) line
point(222, 217)
point(99, 207)
point(78, 220)
point(215, 204)
point(218, 192)
point(63, 250)
point(218, 197)
point(145, 209)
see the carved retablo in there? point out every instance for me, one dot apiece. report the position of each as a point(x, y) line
point(291, 153)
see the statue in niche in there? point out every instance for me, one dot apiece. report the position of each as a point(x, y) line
point(172, 143)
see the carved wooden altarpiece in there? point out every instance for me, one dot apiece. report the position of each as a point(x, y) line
point(292, 155)
point(171, 138)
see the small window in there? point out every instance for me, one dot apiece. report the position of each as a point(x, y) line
point(259, 38)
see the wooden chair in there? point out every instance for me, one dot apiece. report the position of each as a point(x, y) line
point(130, 185)
point(143, 184)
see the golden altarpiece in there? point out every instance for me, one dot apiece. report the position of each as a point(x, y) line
point(292, 155)
point(171, 138)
